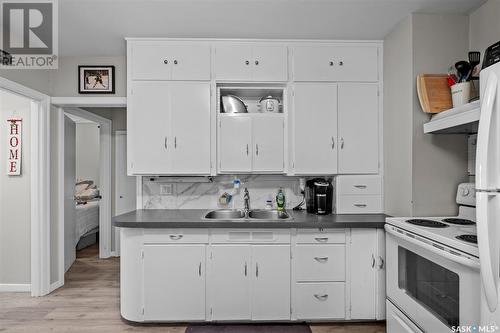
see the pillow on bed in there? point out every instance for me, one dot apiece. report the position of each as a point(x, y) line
point(88, 194)
point(83, 185)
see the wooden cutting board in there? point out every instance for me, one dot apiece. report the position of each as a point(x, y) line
point(434, 93)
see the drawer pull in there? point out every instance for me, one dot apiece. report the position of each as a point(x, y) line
point(199, 269)
point(321, 239)
point(323, 297)
point(360, 186)
point(176, 237)
point(246, 270)
point(321, 259)
point(360, 205)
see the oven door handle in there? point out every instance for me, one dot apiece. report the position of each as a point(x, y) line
point(461, 260)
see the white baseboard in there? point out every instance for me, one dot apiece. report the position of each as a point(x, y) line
point(11, 287)
point(55, 285)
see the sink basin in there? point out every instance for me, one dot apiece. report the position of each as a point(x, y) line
point(225, 214)
point(268, 215)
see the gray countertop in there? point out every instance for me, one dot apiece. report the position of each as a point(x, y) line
point(193, 218)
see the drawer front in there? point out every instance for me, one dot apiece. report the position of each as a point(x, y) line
point(320, 300)
point(183, 236)
point(320, 263)
point(321, 236)
point(359, 185)
point(359, 204)
point(273, 236)
point(170, 62)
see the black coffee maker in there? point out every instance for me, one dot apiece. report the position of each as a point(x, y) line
point(319, 196)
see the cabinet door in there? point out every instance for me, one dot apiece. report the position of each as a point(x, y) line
point(149, 144)
point(230, 282)
point(191, 62)
point(314, 63)
point(268, 140)
point(190, 105)
point(363, 273)
point(233, 62)
point(151, 61)
point(269, 63)
point(358, 128)
point(381, 291)
point(315, 128)
point(174, 282)
point(271, 282)
point(235, 144)
point(356, 63)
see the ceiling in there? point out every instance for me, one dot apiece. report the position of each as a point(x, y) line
point(98, 27)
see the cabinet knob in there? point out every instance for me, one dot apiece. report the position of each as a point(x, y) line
point(247, 62)
point(175, 62)
point(257, 62)
point(341, 63)
point(165, 62)
point(331, 63)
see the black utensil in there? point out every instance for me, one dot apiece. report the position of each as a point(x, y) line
point(463, 69)
point(474, 60)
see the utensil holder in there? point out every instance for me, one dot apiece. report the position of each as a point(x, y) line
point(460, 93)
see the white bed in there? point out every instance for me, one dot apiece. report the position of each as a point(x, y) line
point(87, 219)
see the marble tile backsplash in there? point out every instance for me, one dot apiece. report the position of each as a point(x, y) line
point(193, 194)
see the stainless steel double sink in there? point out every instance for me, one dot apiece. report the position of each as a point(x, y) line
point(239, 215)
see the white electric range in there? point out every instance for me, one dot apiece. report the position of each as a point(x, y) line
point(433, 282)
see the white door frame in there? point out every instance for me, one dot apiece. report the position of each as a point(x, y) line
point(40, 185)
point(104, 180)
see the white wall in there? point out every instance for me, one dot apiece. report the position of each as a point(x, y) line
point(421, 170)
point(398, 78)
point(484, 26)
point(87, 152)
point(15, 207)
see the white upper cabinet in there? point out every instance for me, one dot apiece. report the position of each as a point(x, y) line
point(268, 144)
point(251, 143)
point(149, 143)
point(335, 63)
point(235, 144)
point(190, 107)
point(315, 128)
point(161, 118)
point(248, 62)
point(358, 128)
point(160, 61)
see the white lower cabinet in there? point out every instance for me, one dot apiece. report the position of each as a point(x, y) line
point(367, 276)
point(320, 301)
point(229, 283)
point(174, 284)
point(179, 275)
point(250, 282)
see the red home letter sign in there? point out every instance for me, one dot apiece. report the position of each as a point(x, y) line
point(14, 146)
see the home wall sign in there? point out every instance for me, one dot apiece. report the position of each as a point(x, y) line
point(14, 146)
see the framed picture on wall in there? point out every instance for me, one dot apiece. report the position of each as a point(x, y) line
point(96, 79)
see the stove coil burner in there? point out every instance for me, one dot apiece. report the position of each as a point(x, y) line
point(459, 221)
point(427, 223)
point(468, 238)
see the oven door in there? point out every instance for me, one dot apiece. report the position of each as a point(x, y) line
point(436, 287)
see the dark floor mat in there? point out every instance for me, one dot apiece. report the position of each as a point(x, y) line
point(248, 328)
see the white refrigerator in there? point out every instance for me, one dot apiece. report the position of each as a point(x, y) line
point(488, 194)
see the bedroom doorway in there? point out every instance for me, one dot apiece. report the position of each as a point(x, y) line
point(85, 153)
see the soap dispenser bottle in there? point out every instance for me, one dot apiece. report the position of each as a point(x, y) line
point(280, 200)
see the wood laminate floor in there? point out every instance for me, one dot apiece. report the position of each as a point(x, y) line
point(89, 302)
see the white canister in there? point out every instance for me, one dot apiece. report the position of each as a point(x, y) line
point(460, 93)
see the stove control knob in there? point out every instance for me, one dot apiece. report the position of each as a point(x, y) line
point(465, 191)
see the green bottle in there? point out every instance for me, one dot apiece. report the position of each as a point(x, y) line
point(280, 200)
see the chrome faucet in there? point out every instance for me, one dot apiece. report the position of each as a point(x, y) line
point(246, 199)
